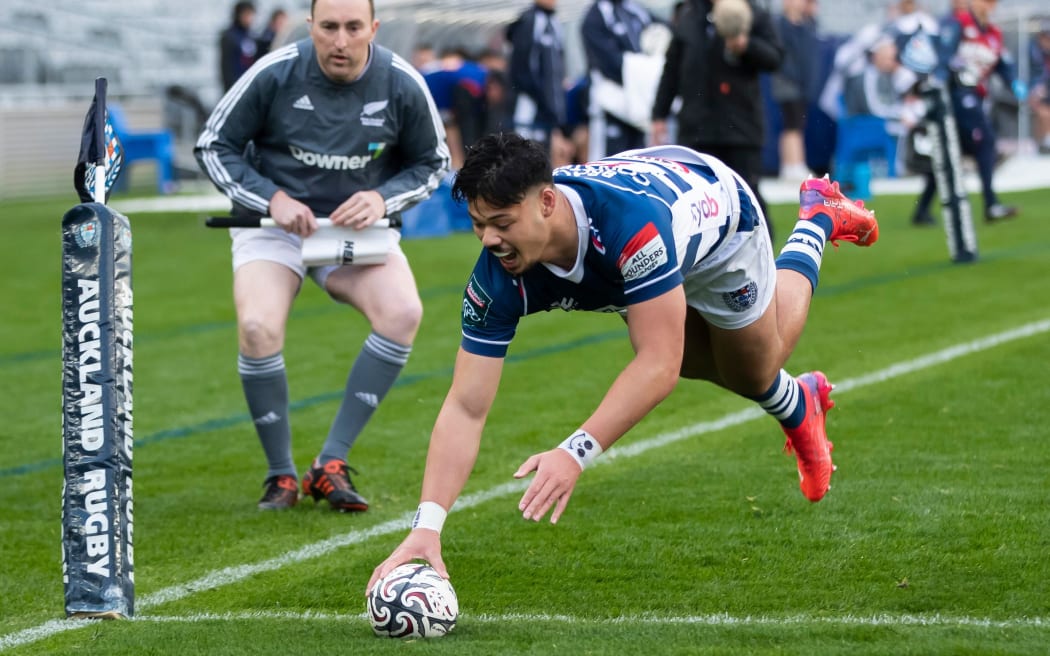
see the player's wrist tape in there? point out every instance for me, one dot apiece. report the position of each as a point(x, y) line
point(582, 446)
point(430, 515)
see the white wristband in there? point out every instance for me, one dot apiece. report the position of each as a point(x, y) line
point(430, 515)
point(582, 446)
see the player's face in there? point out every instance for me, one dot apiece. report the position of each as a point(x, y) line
point(341, 31)
point(516, 235)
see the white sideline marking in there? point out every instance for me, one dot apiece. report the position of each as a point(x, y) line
point(230, 575)
point(718, 619)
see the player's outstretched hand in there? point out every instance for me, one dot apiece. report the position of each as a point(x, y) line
point(360, 210)
point(556, 475)
point(421, 543)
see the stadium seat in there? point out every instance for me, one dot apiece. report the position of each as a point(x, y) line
point(156, 146)
point(860, 139)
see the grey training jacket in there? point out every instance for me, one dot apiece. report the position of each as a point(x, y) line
point(285, 125)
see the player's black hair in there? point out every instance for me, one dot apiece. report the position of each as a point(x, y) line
point(500, 169)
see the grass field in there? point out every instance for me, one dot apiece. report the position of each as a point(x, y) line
point(692, 538)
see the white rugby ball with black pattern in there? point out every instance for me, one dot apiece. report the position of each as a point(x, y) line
point(412, 601)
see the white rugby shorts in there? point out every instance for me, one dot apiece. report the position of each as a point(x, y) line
point(276, 245)
point(733, 287)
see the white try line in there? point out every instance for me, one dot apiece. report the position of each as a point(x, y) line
point(717, 619)
point(230, 575)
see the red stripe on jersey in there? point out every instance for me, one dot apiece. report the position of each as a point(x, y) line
point(637, 242)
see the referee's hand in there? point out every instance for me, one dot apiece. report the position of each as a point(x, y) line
point(360, 210)
point(291, 215)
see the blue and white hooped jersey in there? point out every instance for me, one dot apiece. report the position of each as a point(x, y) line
point(644, 217)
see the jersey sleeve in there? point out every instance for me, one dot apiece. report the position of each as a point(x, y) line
point(238, 119)
point(640, 244)
point(492, 306)
point(425, 154)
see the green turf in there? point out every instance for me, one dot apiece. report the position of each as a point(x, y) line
point(932, 540)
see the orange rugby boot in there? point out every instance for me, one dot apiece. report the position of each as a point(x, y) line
point(850, 220)
point(809, 441)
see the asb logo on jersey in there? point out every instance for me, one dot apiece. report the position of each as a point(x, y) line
point(643, 254)
point(476, 303)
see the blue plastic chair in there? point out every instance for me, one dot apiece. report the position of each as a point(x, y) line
point(859, 139)
point(145, 146)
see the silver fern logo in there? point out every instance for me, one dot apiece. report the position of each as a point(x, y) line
point(370, 109)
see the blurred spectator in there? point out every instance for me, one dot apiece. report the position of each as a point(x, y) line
point(906, 17)
point(497, 102)
point(812, 10)
point(274, 27)
point(795, 84)
point(713, 64)
point(610, 30)
point(971, 49)
point(238, 48)
point(1040, 85)
point(456, 79)
point(424, 58)
point(576, 104)
point(850, 60)
point(852, 57)
point(480, 98)
point(537, 79)
point(880, 86)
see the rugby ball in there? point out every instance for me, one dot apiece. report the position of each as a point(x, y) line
point(412, 601)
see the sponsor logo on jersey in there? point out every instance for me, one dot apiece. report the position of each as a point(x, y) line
point(329, 161)
point(371, 108)
point(708, 206)
point(566, 303)
point(303, 103)
point(643, 254)
point(596, 239)
point(741, 299)
point(476, 303)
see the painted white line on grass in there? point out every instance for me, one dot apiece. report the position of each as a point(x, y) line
point(717, 619)
point(231, 575)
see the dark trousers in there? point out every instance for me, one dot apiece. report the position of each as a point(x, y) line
point(977, 139)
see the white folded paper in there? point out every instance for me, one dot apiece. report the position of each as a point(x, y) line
point(342, 245)
point(332, 244)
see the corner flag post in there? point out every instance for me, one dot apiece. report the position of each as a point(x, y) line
point(97, 324)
